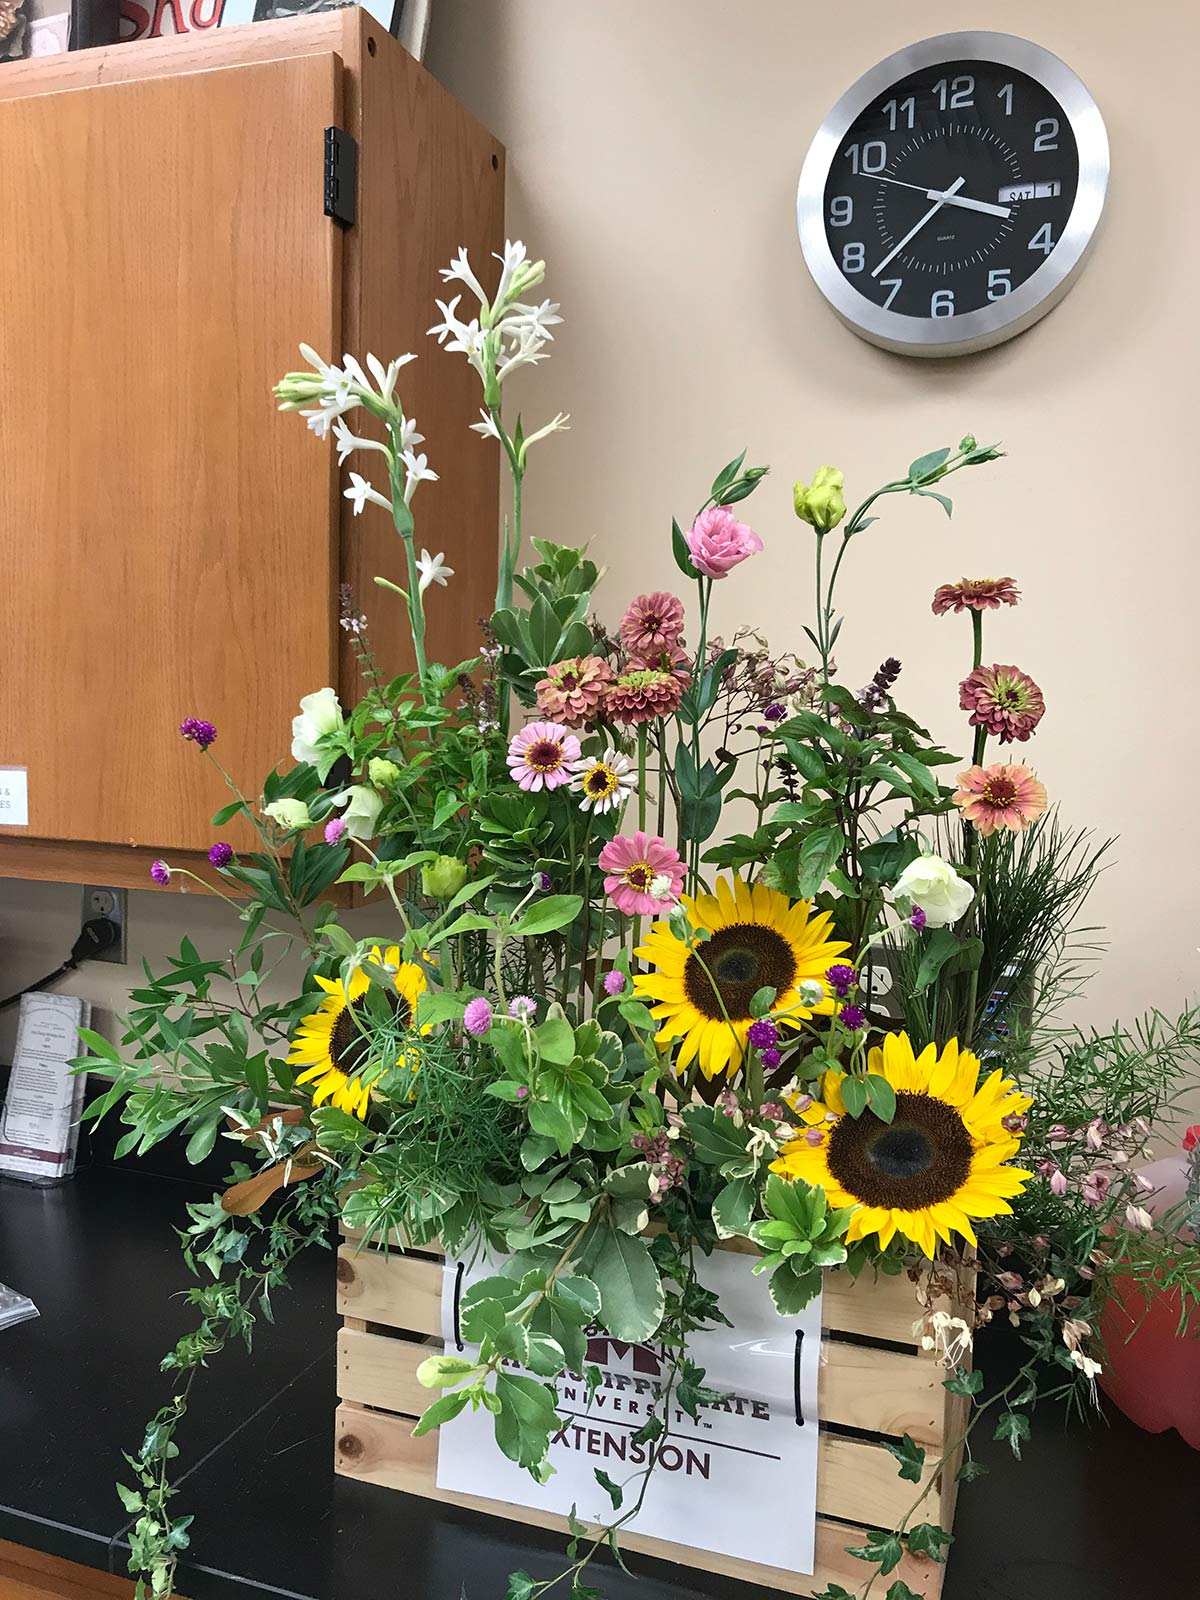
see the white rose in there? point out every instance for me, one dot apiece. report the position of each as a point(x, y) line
point(362, 814)
point(933, 884)
point(320, 713)
point(288, 814)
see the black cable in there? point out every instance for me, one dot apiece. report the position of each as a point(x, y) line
point(95, 937)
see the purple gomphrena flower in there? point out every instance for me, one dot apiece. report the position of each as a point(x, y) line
point(842, 977)
point(763, 1034)
point(852, 1017)
point(334, 829)
point(771, 1059)
point(477, 1018)
point(195, 728)
point(614, 982)
point(160, 872)
point(917, 918)
point(221, 854)
point(522, 1007)
point(545, 882)
point(774, 712)
point(522, 1091)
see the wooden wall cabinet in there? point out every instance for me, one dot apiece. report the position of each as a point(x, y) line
point(172, 545)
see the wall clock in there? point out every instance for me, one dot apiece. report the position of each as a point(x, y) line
point(952, 194)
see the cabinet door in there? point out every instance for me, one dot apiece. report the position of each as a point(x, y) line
point(166, 535)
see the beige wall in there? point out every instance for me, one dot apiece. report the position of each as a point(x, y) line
point(653, 156)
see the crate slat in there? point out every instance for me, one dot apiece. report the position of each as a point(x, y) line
point(879, 1391)
point(378, 1448)
point(388, 1287)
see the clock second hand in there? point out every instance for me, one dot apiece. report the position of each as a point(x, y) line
point(951, 199)
point(943, 195)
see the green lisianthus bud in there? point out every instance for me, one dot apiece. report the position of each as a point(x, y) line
point(383, 774)
point(821, 504)
point(967, 443)
point(443, 878)
point(289, 814)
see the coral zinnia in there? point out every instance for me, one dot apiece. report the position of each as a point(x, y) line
point(1000, 797)
point(643, 873)
point(643, 693)
point(338, 1041)
point(935, 1166)
point(653, 622)
point(756, 940)
point(542, 754)
point(975, 594)
point(1004, 700)
point(573, 690)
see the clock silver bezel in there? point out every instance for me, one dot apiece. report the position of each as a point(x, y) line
point(990, 324)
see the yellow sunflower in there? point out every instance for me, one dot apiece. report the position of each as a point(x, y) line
point(758, 939)
point(331, 1043)
point(928, 1172)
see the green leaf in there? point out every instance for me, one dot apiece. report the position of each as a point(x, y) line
point(854, 1094)
point(443, 1372)
point(762, 1000)
point(886, 859)
point(881, 1097)
point(547, 915)
point(943, 500)
point(631, 1291)
point(733, 1208)
point(556, 1040)
point(716, 1138)
point(884, 1549)
point(578, 1297)
point(900, 1591)
point(807, 759)
point(443, 1410)
point(1013, 1430)
point(792, 1288)
point(100, 1046)
point(940, 946)
point(202, 1141)
point(130, 1498)
point(970, 1470)
point(679, 549)
point(927, 1539)
point(614, 1490)
point(819, 854)
point(926, 465)
point(520, 1586)
point(526, 1418)
point(965, 1383)
point(910, 1455)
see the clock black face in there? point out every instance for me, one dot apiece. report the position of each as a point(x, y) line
point(951, 189)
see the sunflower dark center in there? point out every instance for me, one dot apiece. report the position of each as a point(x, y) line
point(919, 1159)
point(350, 1042)
point(742, 959)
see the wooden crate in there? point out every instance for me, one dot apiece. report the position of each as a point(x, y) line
point(876, 1384)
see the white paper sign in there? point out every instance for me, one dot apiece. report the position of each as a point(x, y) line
point(742, 1481)
point(14, 797)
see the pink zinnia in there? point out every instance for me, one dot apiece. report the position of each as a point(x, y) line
point(572, 690)
point(1004, 700)
point(643, 693)
point(1000, 797)
point(653, 622)
point(542, 754)
point(643, 874)
point(718, 542)
point(975, 594)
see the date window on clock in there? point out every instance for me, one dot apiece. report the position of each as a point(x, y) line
point(1049, 190)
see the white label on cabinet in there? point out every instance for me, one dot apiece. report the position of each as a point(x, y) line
point(14, 797)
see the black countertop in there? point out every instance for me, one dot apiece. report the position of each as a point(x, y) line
point(1091, 1514)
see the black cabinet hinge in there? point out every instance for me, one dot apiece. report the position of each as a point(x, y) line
point(341, 176)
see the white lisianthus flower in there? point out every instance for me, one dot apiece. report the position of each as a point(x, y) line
point(362, 812)
point(292, 814)
point(433, 569)
point(933, 884)
point(320, 713)
point(360, 491)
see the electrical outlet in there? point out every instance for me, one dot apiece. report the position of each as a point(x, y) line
point(99, 901)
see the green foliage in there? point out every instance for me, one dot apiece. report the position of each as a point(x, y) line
point(800, 1238)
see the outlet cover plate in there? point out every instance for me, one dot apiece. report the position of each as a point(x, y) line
point(97, 900)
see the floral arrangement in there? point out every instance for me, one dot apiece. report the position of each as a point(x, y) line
point(640, 895)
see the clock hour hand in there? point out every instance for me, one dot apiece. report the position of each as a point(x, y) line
point(942, 197)
point(951, 199)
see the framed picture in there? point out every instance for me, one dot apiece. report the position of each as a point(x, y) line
point(406, 20)
point(50, 27)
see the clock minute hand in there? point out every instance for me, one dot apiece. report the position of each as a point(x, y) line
point(943, 196)
point(951, 199)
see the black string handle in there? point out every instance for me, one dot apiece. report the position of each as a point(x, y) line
point(458, 1278)
point(797, 1378)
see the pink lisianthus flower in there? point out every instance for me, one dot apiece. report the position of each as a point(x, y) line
point(718, 542)
point(653, 622)
point(572, 690)
point(643, 874)
point(542, 755)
